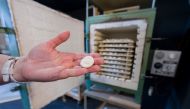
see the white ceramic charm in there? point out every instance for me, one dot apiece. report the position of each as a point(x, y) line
point(87, 62)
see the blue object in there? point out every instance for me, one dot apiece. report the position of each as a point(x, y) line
point(5, 17)
point(173, 102)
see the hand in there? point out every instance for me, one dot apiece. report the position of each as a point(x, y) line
point(44, 63)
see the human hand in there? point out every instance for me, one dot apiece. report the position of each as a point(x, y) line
point(44, 63)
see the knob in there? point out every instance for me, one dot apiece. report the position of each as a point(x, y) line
point(158, 65)
point(159, 55)
point(172, 56)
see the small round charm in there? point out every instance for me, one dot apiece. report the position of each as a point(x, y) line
point(87, 62)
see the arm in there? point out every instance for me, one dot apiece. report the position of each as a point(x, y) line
point(3, 59)
point(44, 63)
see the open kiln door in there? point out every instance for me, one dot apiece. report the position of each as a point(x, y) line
point(35, 23)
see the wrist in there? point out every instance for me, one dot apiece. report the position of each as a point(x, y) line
point(4, 59)
point(18, 70)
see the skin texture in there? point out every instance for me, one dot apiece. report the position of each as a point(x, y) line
point(44, 63)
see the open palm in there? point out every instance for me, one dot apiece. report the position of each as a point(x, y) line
point(45, 63)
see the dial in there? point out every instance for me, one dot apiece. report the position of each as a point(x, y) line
point(159, 55)
point(158, 65)
point(171, 56)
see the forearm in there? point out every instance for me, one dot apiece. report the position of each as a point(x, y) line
point(3, 59)
point(17, 70)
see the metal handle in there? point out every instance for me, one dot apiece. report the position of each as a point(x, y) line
point(149, 77)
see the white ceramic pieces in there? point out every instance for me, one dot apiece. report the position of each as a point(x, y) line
point(118, 41)
point(118, 56)
point(87, 62)
point(98, 38)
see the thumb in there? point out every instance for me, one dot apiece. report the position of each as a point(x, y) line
point(59, 39)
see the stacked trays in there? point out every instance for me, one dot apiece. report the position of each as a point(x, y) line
point(118, 56)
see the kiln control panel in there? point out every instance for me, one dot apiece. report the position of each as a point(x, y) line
point(165, 62)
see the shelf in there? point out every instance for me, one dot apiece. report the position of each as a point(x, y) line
point(115, 46)
point(116, 50)
point(116, 63)
point(122, 68)
point(73, 95)
point(112, 59)
point(106, 5)
point(123, 72)
point(117, 77)
point(118, 55)
point(76, 93)
point(116, 99)
point(117, 42)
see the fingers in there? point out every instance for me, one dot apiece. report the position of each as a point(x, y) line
point(75, 56)
point(97, 61)
point(59, 72)
point(77, 71)
point(68, 64)
point(66, 54)
point(45, 74)
point(59, 39)
point(95, 55)
point(56, 73)
point(79, 56)
point(94, 68)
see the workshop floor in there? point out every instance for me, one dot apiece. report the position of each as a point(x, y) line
point(72, 104)
point(57, 104)
point(11, 105)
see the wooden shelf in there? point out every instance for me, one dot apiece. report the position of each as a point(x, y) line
point(76, 93)
point(118, 100)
